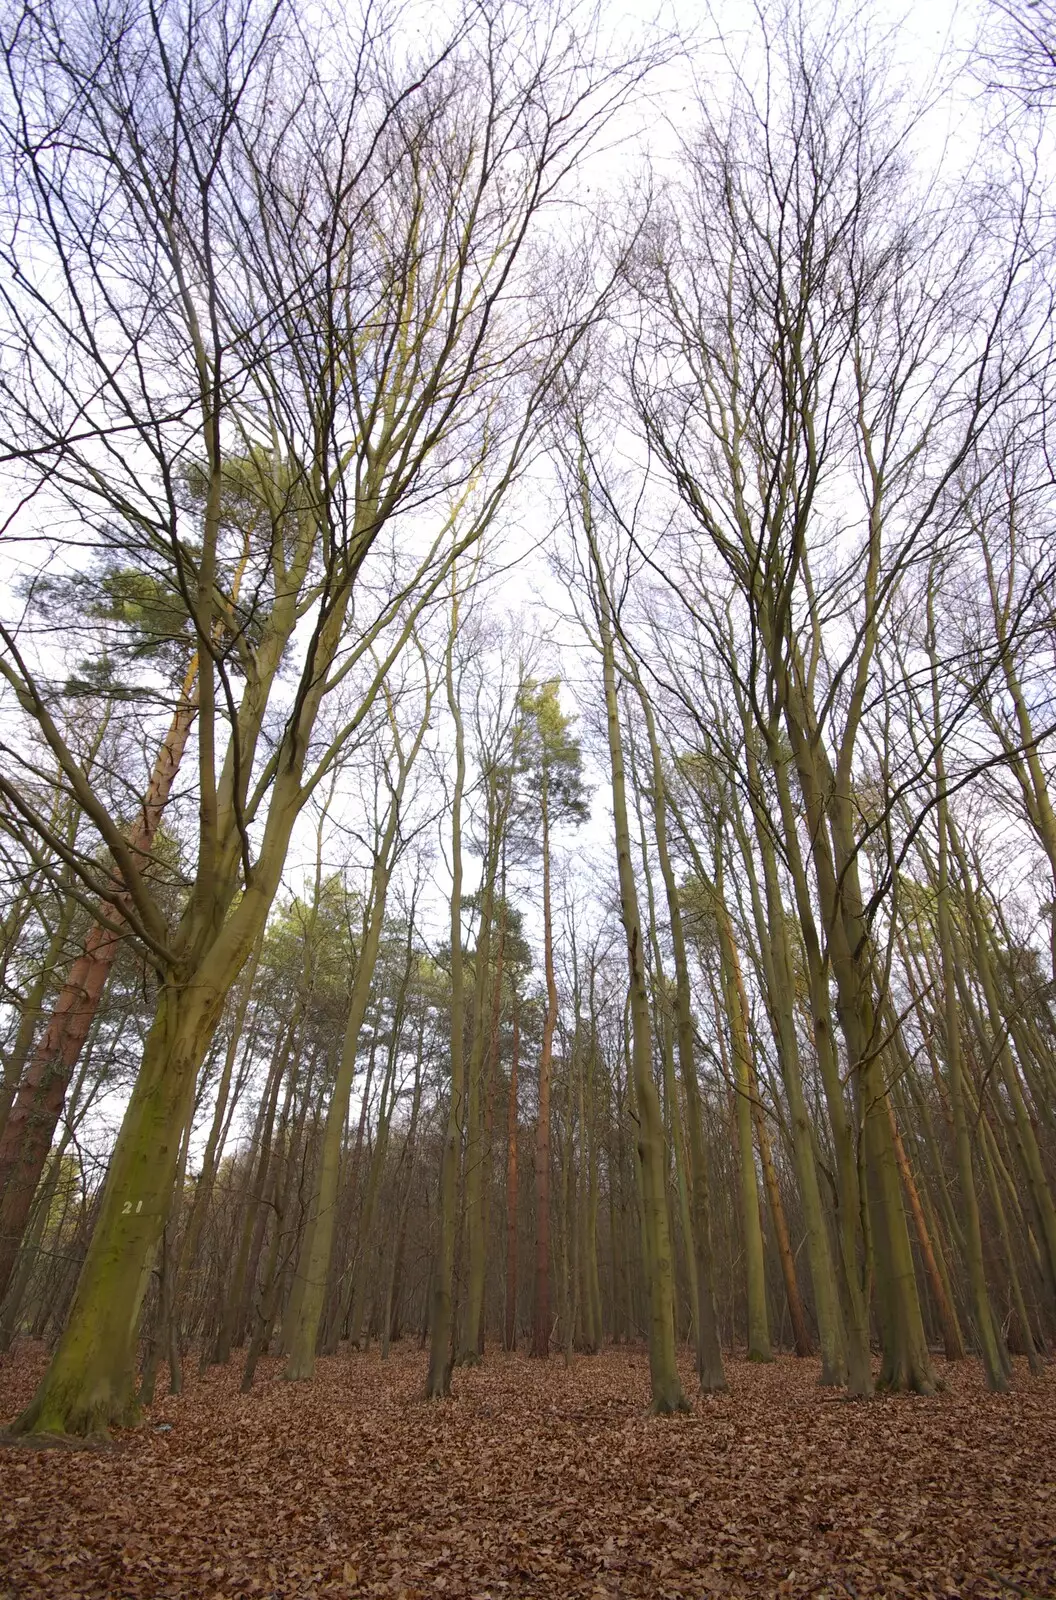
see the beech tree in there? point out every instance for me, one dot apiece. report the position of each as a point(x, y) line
point(790, 328)
point(385, 230)
point(551, 765)
point(305, 373)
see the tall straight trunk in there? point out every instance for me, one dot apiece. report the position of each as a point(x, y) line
point(438, 1379)
point(363, 1275)
point(751, 1221)
point(344, 1251)
point(710, 1373)
point(778, 972)
point(586, 1240)
point(479, 1057)
point(951, 1332)
point(850, 1201)
point(490, 1088)
point(621, 1238)
point(802, 1341)
point(317, 1244)
point(284, 1174)
point(1002, 1159)
point(313, 1267)
point(674, 1133)
point(664, 1021)
point(1023, 1127)
point(800, 1332)
point(994, 1188)
point(665, 1383)
point(390, 1306)
point(921, 1107)
point(590, 1236)
point(541, 1322)
point(260, 1155)
point(511, 1180)
point(569, 1256)
point(217, 1132)
point(906, 1363)
point(30, 1125)
point(953, 1340)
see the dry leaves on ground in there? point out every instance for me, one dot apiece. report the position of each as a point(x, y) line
point(539, 1480)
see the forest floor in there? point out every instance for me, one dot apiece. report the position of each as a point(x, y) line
point(537, 1481)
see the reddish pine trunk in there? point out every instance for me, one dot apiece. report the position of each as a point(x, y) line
point(30, 1126)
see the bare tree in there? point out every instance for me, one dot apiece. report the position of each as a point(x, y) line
point(312, 273)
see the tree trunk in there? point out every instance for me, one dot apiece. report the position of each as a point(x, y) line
point(666, 1385)
point(751, 1222)
point(511, 1182)
point(541, 1323)
point(313, 1267)
point(476, 1221)
point(438, 1379)
point(772, 931)
point(30, 1125)
point(89, 1385)
point(850, 1209)
point(32, 1010)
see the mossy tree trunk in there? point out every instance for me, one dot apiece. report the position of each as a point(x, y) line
point(906, 1363)
point(90, 1384)
point(30, 1125)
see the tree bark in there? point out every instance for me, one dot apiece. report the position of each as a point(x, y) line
point(30, 1125)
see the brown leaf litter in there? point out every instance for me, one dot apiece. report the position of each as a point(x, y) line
point(539, 1480)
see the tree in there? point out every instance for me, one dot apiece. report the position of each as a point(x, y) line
point(386, 229)
point(667, 1395)
point(792, 328)
point(157, 630)
point(551, 764)
point(317, 1244)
